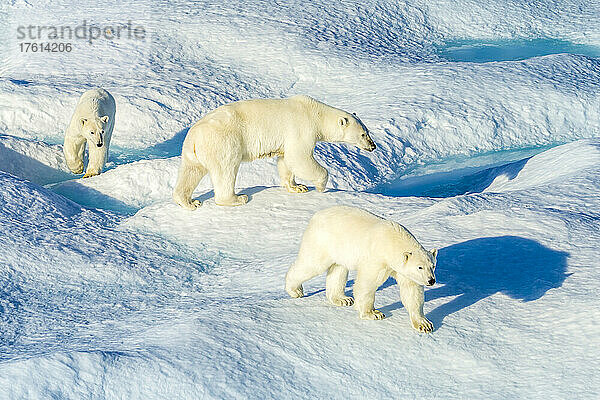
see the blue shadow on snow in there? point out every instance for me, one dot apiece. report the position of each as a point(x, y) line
point(92, 198)
point(451, 183)
point(520, 268)
point(166, 149)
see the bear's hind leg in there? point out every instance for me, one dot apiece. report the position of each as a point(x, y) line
point(335, 284)
point(224, 183)
point(365, 286)
point(307, 266)
point(413, 298)
point(287, 178)
point(188, 178)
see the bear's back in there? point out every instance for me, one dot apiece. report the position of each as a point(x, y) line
point(349, 229)
point(267, 108)
point(264, 121)
point(97, 102)
point(344, 227)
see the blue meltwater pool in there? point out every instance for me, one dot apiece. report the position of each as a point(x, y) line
point(481, 51)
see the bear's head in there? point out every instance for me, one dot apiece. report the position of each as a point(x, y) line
point(93, 129)
point(353, 131)
point(419, 266)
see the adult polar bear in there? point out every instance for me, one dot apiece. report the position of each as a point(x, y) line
point(92, 122)
point(246, 130)
point(342, 238)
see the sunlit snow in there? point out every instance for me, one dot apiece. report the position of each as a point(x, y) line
point(486, 117)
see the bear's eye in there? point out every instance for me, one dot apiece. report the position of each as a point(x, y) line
point(92, 132)
point(420, 267)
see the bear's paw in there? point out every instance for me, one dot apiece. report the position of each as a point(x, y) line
point(295, 292)
point(297, 188)
point(193, 204)
point(343, 301)
point(422, 324)
point(234, 201)
point(373, 315)
point(320, 188)
point(89, 174)
point(190, 204)
point(78, 168)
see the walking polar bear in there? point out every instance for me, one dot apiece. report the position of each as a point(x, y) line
point(92, 122)
point(246, 130)
point(342, 238)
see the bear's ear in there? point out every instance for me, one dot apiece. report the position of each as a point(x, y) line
point(407, 256)
point(343, 121)
point(104, 119)
point(82, 121)
point(434, 253)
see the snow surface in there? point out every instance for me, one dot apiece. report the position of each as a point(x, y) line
point(109, 290)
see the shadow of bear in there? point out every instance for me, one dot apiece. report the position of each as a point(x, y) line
point(520, 268)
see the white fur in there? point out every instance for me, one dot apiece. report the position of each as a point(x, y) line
point(92, 122)
point(247, 130)
point(342, 238)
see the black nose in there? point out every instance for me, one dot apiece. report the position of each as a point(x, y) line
point(431, 282)
point(99, 145)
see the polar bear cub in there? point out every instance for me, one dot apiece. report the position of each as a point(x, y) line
point(246, 130)
point(92, 123)
point(342, 238)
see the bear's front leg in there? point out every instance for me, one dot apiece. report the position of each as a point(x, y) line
point(73, 149)
point(305, 167)
point(97, 159)
point(75, 166)
point(413, 298)
point(287, 178)
point(364, 290)
point(321, 183)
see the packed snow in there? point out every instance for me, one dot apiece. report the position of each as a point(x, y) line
point(110, 290)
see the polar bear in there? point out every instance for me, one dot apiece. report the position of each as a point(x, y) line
point(92, 122)
point(343, 238)
point(246, 130)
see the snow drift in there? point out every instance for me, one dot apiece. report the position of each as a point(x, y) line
point(164, 294)
point(109, 290)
